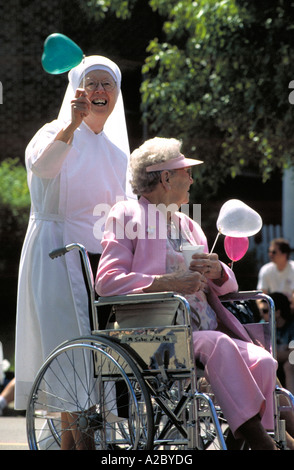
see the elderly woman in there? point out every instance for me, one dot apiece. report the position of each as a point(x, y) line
point(142, 253)
point(74, 164)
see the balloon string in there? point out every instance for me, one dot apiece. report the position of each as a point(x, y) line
point(213, 246)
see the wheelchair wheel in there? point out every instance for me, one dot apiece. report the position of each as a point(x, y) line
point(89, 394)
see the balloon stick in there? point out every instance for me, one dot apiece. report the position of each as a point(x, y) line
point(84, 73)
point(213, 246)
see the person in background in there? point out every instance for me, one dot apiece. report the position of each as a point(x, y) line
point(278, 274)
point(76, 165)
point(284, 336)
point(7, 395)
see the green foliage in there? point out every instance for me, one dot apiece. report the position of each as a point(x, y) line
point(14, 208)
point(220, 81)
point(14, 193)
point(99, 8)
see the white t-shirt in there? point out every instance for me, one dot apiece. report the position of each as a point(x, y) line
point(270, 279)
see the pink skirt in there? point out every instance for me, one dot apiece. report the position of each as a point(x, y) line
point(242, 376)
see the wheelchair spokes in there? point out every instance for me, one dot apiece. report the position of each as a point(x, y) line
point(105, 410)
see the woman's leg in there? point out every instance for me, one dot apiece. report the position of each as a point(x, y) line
point(72, 438)
point(242, 377)
point(67, 439)
point(255, 435)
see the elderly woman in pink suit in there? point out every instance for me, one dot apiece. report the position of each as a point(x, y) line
point(142, 252)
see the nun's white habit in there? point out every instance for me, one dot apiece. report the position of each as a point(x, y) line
point(70, 186)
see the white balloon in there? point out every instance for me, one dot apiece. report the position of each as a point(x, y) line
point(236, 219)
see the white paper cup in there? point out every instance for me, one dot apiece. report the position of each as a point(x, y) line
point(190, 250)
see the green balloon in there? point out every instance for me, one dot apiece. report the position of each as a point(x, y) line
point(60, 54)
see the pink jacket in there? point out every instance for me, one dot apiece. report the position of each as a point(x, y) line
point(134, 252)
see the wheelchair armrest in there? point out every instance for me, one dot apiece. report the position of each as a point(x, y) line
point(256, 295)
point(155, 298)
point(137, 298)
point(242, 295)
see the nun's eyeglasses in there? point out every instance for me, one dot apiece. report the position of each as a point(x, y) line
point(107, 85)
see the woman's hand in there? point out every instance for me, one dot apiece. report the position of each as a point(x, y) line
point(183, 282)
point(80, 107)
point(206, 264)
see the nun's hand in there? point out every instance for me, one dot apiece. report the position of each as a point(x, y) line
point(80, 107)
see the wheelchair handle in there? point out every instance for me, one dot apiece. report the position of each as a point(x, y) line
point(58, 252)
point(65, 249)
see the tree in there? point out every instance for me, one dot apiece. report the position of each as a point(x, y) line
point(220, 81)
point(14, 211)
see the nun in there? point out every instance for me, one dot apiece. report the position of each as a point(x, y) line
point(76, 166)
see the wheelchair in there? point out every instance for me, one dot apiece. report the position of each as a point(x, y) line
point(131, 385)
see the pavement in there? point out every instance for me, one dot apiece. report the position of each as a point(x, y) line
point(13, 431)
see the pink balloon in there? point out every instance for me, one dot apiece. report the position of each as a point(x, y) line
point(236, 247)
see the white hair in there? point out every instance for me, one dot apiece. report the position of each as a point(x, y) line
point(152, 151)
